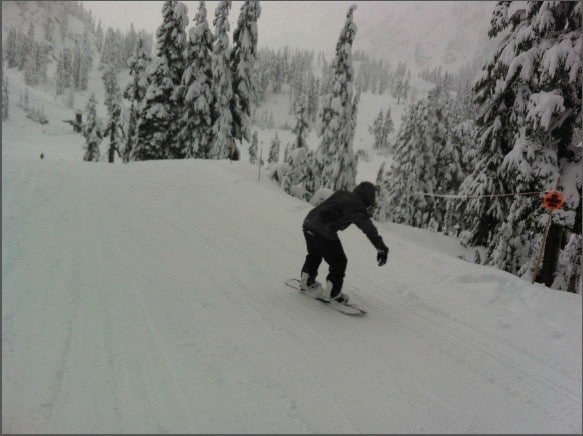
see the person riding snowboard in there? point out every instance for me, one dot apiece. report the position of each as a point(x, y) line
point(320, 229)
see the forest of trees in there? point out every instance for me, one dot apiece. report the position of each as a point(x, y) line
point(467, 157)
point(516, 130)
point(33, 49)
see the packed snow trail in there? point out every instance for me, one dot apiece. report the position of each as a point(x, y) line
point(149, 298)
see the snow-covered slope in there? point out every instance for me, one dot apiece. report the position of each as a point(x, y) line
point(149, 298)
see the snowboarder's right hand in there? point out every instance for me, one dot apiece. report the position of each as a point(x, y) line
point(382, 256)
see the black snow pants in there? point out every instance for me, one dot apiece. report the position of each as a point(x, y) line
point(332, 252)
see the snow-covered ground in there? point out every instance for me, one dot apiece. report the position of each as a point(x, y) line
point(149, 298)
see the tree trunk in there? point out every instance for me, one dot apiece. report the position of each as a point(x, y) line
point(555, 241)
point(111, 147)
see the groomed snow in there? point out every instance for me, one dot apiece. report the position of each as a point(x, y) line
point(149, 298)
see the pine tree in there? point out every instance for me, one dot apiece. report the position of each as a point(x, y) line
point(568, 275)
point(63, 72)
point(26, 47)
point(5, 95)
point(377, 131)
point(86, 61)
point(99, 36)
point(135, 93)
point(313, 86)
point(113, 104)
point(111, 49)
point(411, 170)
point(530, 123)
point(274, 150)
point(154, 122)
point(388, 128)
point(130, 42)
point(11, 49)
point(76, 67)
point(30, 71)
point(171, 43)
point(447, 174)
point(334, 156)
point(354, 117)
point(171, 38)
point(91, 131)
point(224, 142)
point(111, 86)
point(253, 148)
point(242, 62)
point(301, 127)
point(48, 28)
point(197, 118)
point(381, 189)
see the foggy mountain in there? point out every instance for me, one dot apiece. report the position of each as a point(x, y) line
point(425, 34)
point(59, 24)
point(422, 34)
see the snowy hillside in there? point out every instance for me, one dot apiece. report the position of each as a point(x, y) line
point(425, 34)
point(148, 298)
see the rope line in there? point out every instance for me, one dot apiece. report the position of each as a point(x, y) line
point(570, 195)
point(479, 196)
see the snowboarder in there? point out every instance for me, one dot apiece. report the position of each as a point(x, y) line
point(320, 229)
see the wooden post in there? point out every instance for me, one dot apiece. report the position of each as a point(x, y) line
point(542, 248)
point(260, 162)
point(544, 242)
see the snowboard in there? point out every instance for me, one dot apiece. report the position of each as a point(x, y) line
point(345, 308)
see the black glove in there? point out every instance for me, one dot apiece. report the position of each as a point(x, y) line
point(382, 256)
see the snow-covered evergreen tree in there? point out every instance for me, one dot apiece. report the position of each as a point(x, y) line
point(26, 46)
point(63, 72)
point(99, 37)
point(171, 44)
point(91, 131)
point(171, 38)
point(388, 128)
point(5, 96)
point(274, 150)
point(154, 122)
point(243, 58)
point(381, 189)
point(568, 274)
point(409, 172)
point(130, 42)
point(313, 87)
point(135, 93)
point(301, 126)
point(11, 49)
point(334, 156)
point(112, 48)
point(113, 103)
point(354, 117)
point(378, 132)
point(297, 166)
point(223, 127)
point(253, 148)
point(530, 130)
point(197, 118)
point(86, 61)
point(111, 87)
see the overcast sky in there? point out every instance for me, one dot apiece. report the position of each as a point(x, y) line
point(303, 24)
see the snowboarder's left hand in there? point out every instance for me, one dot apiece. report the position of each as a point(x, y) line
point(382, 256)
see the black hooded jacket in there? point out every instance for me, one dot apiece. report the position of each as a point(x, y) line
point(342, 209)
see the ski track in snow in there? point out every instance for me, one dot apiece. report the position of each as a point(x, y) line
point(150, 298)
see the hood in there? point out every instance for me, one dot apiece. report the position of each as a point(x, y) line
point(366, 191)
